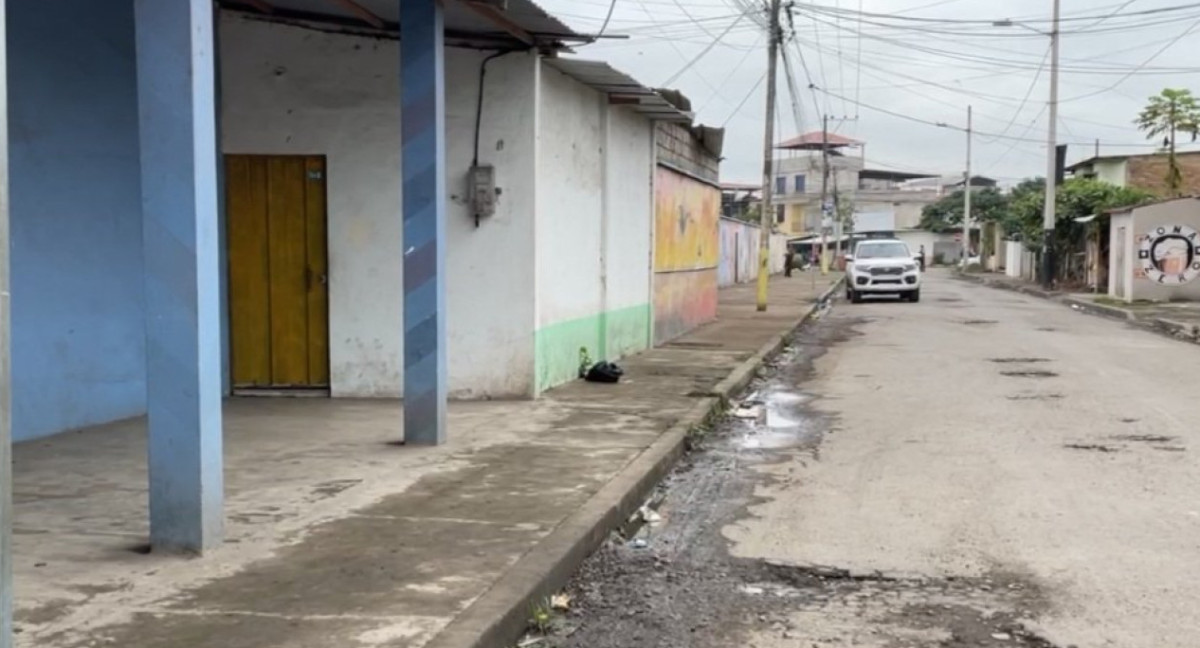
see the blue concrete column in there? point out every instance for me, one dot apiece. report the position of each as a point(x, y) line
point(423, 155)
point(175, 64)
point(6, 499)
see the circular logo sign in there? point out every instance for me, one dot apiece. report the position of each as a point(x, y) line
point(1170, 255)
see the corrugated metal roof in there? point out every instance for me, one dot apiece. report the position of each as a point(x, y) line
point(817, 139)
point(621, 87)
point(461, 17)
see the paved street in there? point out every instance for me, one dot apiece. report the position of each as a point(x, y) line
point(981, 469)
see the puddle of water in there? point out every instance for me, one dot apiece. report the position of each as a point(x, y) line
point(783, 424)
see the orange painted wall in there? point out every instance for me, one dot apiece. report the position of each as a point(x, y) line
point(686, 253)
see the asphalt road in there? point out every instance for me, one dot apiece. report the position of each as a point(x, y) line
point(983, 468)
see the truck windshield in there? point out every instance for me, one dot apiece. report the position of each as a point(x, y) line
point(882, 251)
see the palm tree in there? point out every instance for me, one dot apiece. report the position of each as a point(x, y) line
point(1170, 112)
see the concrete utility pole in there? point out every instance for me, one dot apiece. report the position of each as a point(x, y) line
point(967, 199)
point(837, 220)
point(824, 192)
point(1049, 214)
point(767, 216)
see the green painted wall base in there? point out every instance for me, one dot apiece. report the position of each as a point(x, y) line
point(606, 336)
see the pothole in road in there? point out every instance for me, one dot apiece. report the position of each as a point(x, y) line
point(979, 322)
point(1018, 360)
point(1144, 438)
point(1035, 397)
point(1091, 447)
point(639, 597)
point(1029, 373)
point(1046, 329)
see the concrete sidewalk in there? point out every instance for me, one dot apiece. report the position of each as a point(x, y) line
point(1180, 320)
point(337, 538)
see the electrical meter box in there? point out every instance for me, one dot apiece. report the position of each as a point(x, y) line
point(482, 180)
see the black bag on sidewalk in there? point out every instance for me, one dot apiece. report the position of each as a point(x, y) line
point(604, 372)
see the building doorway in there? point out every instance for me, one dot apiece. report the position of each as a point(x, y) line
point(278, 269)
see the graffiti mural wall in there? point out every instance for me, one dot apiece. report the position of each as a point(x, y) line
point(686, 253)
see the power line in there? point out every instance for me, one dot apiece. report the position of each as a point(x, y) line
point(1113, 14)
point(704, 51)
point(807, 74)
point(820, 59)
point(993, 21)
point(715, 91)
point(1013, 146)
point(744, 99)
point(1004, 63)
point(735, 69)
point(612, 5)
point(841, 62)
point(858, 67)
point(962, 129)
point(1151, 58)
point(1032, 84)
point(803, 63)
point(790, 75)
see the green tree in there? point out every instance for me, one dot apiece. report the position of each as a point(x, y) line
point(1076, 198)
point(1171, 112)
point(845, 213)
point(987, 205)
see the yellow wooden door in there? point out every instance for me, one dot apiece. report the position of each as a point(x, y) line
point(278, 292)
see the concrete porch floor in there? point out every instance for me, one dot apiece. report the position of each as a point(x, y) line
point(336, 536)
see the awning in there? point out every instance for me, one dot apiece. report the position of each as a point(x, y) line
point(620, 88)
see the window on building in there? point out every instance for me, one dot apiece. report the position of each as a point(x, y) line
point(780, 214)
point(799, 183)
point(781, 185)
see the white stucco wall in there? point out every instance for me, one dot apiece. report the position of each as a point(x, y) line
point(628, 262)
point(1146, 221)
point(593, 234)
point(1111, 171)
point(288, 90)
point(570, 167)
point(1121, 255)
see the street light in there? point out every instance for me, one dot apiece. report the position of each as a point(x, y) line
point(1048, 210)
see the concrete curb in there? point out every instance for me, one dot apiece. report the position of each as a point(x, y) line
point(1181, 330)
point(1009, 286)
point(1171, 328)
point(501, 615)
point(1103, 310)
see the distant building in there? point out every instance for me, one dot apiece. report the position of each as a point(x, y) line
point(738, 200)
point(1147, 171)
point(885, 202)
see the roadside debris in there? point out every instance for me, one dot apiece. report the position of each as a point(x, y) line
point(750, 411)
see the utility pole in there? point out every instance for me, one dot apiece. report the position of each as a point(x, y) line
point(767, 216)
point(824, 191)
point(967, 199)
point(1049, 214)
point(837, 220)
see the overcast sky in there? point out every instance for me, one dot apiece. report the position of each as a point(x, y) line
point(926, 70)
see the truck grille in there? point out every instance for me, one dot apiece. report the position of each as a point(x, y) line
point(885, 272)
